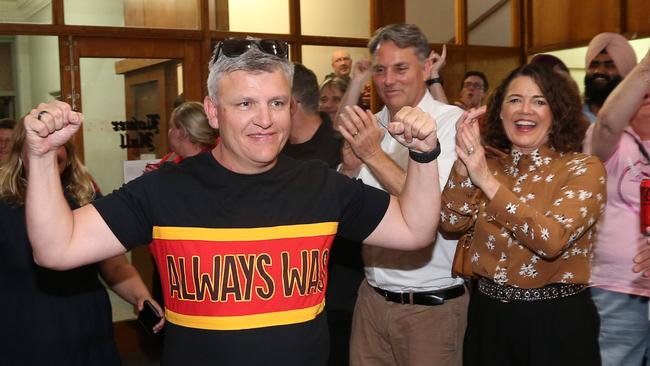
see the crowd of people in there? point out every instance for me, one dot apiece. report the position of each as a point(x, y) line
point(299, 228)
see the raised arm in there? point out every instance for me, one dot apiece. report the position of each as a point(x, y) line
point(60, 238)
point(619, 108)
point(411, 220)
point(360, 74)
point(437, 63)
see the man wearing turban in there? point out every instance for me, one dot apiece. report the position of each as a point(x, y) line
point(609, 58)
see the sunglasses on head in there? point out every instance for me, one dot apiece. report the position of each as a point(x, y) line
point(233, 47)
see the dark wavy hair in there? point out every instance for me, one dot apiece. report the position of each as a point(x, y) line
point(561, 92)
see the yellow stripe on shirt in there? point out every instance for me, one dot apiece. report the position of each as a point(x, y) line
point(245, 321)
point(245, 234)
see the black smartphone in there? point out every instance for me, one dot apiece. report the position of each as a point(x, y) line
point(149, 317)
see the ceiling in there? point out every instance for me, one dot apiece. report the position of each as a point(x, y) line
point(19, 11)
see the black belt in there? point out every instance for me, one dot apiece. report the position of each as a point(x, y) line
point(437, 297)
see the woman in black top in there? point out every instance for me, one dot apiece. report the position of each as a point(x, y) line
point(55, 317)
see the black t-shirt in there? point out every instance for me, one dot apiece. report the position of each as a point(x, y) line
point(243, 258)
point(325, 145)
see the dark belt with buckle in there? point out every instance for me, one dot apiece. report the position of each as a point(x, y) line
point(437, 297)
point(506, 293)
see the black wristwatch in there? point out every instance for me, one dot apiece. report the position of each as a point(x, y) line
point(433, 81)
point(428, 157)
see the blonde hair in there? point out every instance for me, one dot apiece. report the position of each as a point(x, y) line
point(75, 178)
point(191, 117)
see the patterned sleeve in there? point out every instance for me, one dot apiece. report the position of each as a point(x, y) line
point(459, 204)
point(577, 199)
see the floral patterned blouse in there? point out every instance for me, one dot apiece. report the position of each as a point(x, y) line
point(539, 227)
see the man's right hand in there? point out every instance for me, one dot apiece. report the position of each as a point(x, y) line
point(56, 125)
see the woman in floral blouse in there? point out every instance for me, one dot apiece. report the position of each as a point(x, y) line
point(532, 210)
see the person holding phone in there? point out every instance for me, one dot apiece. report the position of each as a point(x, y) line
point(56, 317)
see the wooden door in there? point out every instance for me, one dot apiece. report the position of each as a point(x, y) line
point(130, 81)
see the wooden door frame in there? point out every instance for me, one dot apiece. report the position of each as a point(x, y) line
point(187, 51)
point(165, 78)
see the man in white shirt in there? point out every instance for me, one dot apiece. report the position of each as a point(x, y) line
point(410, 311)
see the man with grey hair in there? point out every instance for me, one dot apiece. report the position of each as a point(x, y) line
point(410, 311)
point(241, 236)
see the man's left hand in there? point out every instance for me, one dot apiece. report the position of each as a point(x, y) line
point(415, 129)
point(437, 61)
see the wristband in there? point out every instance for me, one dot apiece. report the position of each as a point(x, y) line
point(433, 81)
point(427, 157)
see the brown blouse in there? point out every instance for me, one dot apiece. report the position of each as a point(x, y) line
point(539, 227)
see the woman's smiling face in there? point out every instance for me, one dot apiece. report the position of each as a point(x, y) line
point(526, 115)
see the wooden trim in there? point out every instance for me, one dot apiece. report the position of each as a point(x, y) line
point(461, 22)
point(295, 41)
point(98, 31)
point(516, 18)
point(206, 42)
point(556, 46)
point(334, 41)
point(622, 21)
point(68, 57)
point(528, 26)
point(128, 65)
point(517, 15)
point(482, 48)
point(217, 35)
point(58, 17)
point(295, 29)
point(385, 12)
point(222, 20)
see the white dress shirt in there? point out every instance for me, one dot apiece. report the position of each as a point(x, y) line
point(428, 269)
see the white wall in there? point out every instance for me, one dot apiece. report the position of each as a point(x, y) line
point(37, 59)
point(94, 12)
point(496, 30)
point(335, 18)
point(435, 18)
point(268, 16)
point(103, 102)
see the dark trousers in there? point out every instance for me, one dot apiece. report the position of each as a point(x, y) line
point(547, 332)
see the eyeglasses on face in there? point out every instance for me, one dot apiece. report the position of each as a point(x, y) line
point(233, 47)
point(469, 84)
point(341, 59)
